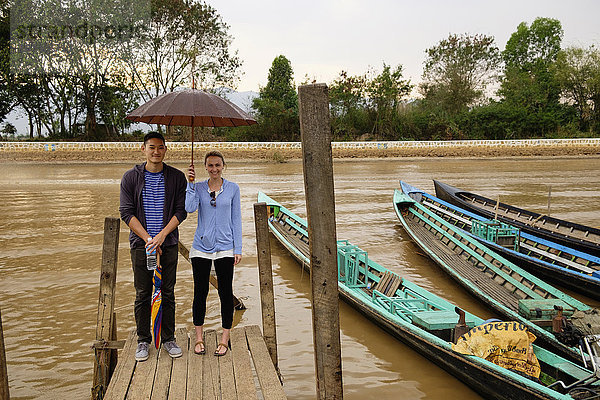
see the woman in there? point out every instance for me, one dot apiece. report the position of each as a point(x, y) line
point(218, 241)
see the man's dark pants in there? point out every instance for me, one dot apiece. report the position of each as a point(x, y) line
point(142, 280)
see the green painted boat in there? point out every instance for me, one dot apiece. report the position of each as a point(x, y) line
point(509, 290)
point(553, 262)
point(421, 319)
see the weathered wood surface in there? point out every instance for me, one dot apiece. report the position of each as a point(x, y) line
point(106, 304)
point(4, 392)
point(317, 166)
point(195, 376)
point(265, 275)
point(185, 252)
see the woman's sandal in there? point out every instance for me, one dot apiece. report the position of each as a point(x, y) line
point(203, 351)
point(221, 345)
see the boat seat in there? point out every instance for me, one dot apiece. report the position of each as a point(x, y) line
point(543, 309)
point(388, 284)
point(437, 320)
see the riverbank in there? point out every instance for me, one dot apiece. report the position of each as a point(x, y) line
point(281, 152)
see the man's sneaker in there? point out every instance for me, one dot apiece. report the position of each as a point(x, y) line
point(172, 348)
point(141, 353)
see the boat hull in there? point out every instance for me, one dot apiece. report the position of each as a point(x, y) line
point(487, 379)
point(457, 197)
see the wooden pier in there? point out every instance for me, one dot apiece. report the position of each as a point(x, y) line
point(245, 372)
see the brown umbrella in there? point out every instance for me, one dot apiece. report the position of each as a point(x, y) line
point(191, 107)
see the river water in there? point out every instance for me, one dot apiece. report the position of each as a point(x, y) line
point(51, 232)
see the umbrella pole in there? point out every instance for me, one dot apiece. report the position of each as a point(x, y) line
point(192, 179)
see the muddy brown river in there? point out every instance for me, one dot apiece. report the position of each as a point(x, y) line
point(52, 218)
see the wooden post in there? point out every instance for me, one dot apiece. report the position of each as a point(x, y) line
point(106, 305)
point(265, 275)
point(317, 163)
point(549, 195)
point(4, 392)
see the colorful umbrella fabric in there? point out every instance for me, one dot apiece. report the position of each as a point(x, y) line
point(157, 305)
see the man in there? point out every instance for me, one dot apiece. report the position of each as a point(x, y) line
point(153, 205)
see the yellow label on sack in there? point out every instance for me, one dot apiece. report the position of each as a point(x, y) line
point(507, 344)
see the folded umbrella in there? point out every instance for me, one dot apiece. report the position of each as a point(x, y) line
point(157, 305)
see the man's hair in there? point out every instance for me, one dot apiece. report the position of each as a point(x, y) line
point(154, 135)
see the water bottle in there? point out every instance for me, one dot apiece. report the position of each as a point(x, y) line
point(151, 259)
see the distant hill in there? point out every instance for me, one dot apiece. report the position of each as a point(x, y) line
point(241, 99)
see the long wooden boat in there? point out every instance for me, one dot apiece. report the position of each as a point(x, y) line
point(570, 234)
point(509, 290)
point(421, 319)
point(551, 261)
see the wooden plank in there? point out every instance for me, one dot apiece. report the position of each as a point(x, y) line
point(267, 376)
point(562, 260)
point(4, 390)
point(162, 378)
point(119, 383)
point(395, 284)
point(227, 380)
point(106, 305)
point(210, 383)
point(242, 369)
point(178, 387)
point(195, 371)
point(143, 378)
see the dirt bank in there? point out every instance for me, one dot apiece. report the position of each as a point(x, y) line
point(281, 155)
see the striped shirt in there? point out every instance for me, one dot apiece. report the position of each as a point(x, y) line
point(154, 201)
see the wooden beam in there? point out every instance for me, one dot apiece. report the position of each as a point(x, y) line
point(106, 305)
point(265, 275)
point(4, 391)
point(185, 252)
point(244, 381)
point(269, 383)
point(317, 163)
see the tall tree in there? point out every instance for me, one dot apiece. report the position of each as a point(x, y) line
point(528, 80)
point(6, 101)
point(385, 92)
point(277, 103)
point(183, 38)
point(348, 104)
point(578, 73)
point(458, 70)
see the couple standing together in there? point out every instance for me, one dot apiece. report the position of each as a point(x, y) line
point(154, 200)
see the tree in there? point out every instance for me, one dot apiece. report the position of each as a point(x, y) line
point(277, 103)
point(6, 100)
point(528, 80)
point(577, 71)
point(182, 39)
point(385, 93)
point(457, 71)
point(348, 104)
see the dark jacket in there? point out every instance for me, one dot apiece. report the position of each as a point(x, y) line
point(131, 201)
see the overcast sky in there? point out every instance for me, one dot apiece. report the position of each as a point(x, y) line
point(323, 37)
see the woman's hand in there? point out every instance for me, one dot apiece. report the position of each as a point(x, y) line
point(191, 173)
point(237, 258)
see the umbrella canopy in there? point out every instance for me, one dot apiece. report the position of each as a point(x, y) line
point(191, 107)
point(157, 305)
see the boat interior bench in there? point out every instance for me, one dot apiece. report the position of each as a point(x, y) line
point(438, 320)
point(543, 309)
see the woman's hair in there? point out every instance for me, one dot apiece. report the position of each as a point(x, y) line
point(214, 153)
